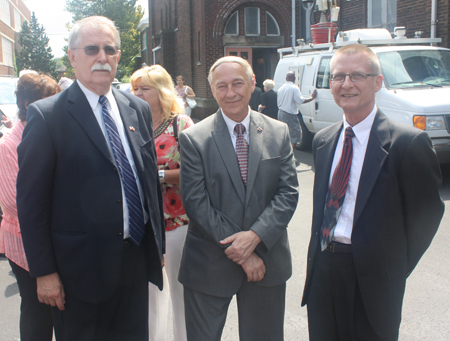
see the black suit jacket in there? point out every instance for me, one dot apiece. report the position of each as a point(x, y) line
point(397, 213)
point(69, 196)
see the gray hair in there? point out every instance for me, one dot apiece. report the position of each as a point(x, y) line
point(231, 59)
point(269, 84)
point(373, 61)
point(97, 22)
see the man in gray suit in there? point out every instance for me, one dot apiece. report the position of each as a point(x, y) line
point(239, 189)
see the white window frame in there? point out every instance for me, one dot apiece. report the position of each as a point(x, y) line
point(7, 48)
point(237, 24)
point(384, 10)
point(258, 21)
point(144, 40)
point(276, 23)
point(5, 10)
point(17, 20)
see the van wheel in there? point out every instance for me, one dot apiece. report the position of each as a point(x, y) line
point(307, 136)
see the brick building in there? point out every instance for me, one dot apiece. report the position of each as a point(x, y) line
point(188, 36)
point(12, 15)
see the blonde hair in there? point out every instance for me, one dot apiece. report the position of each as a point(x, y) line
point(157, 77)
point(269, 84)
point(372, 59)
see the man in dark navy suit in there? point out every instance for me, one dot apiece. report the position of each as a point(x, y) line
point(89, 198)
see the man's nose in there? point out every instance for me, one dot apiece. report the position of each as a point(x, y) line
point(347, 81)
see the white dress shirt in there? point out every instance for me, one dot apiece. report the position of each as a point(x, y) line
point(289, 98)
point(115, 115)
point(231, 124)
point(344, 226)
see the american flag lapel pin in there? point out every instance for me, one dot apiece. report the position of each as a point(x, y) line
point(259, 129)
point(132, 128)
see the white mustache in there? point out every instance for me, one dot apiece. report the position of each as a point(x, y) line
point(101, 67)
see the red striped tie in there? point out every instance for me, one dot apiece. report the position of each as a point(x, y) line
point(241, 151)
point(338, 187)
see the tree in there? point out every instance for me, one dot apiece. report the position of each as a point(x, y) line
point(35, 54)
point(126, 16)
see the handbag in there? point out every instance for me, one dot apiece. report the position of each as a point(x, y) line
point(191, 102)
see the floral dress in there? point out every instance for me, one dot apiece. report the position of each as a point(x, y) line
point(168, 157)
point(181, 92)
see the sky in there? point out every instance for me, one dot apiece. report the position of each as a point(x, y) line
point(51, 14)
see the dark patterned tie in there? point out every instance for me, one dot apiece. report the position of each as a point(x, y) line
point(338, 187)
point(242, 151)
point(135, 213)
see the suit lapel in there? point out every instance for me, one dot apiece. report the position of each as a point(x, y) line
point(256, 134)
point(376, 154)
point(225, 146)
point(323, 159)
point(131, 126)
point(82, 112)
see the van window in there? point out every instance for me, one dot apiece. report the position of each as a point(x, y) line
point(323, 76)
point(416, 68)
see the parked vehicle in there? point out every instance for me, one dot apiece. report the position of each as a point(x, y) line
point(415, 91)
point(8, 106)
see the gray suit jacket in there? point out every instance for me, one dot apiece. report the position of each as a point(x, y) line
point(218, 204)
point(397, 213)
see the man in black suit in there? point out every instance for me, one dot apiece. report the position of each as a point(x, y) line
point(255, 99)
point(89, 198)
point(384, 218)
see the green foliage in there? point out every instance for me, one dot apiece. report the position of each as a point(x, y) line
point(35, 54)
point(126, 16)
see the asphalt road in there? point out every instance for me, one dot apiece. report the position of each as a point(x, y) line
point(426, 313)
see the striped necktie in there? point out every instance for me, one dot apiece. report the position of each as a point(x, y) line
point(135, 213)
point(338, 187)
point(241, 151)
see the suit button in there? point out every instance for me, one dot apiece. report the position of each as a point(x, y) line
point(119, 202)
point(120, 234)
point(114, 169)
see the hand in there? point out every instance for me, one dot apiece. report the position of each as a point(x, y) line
point(314, 94)
point(254, 268)
point(242, 245)
point(50, 290)
point(7, 123)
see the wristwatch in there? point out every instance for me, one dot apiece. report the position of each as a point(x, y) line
point(162, 176)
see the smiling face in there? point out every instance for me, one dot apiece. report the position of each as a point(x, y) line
point(95, 72)
point(356, 99)
point(232, 89)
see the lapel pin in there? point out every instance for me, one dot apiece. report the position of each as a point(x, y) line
point(132, 128)
point(259, 129)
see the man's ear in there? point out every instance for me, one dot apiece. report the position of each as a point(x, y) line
point(72, 57)
point(253, 83)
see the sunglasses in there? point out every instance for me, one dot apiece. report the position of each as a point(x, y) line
point(93, 50)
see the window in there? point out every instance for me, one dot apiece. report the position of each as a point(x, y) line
point(7, 52)
point(232, 27)
point(272, 25)
point(252, 21)
point(5, 12)
point(144, 40)
point(382, 13)
point(17, 20)
point(323, 76)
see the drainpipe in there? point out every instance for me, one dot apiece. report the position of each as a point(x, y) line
point(154, 53)
point(293, 23)
point(433, 19)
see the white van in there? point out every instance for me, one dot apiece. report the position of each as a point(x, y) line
point(415, 91)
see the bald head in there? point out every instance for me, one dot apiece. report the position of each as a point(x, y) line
point(290, 76)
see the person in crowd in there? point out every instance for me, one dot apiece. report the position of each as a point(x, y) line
point(183, 91)
point(376, 209)
point(289, 98)
point(89, 199)
point(7, 122)
point(35, 318)
point(65, 82)
point(269, 104)
point(255, 99)
point(237, 242)
point(154, 85)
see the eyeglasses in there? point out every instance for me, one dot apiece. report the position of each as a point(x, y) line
point(93, 50)
point(354, 77)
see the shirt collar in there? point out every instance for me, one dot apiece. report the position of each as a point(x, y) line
point(363, 128)
point(92, 97)
point(231, 124)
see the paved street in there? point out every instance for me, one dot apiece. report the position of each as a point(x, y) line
point(426, 313)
